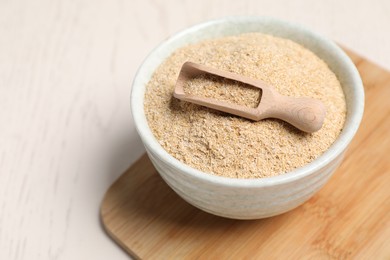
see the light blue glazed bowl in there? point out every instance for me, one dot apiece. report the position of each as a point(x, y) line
point(250, 198)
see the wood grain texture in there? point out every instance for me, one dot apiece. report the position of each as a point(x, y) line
point(348, 219)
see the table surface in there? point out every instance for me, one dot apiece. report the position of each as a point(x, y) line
point(66, 131)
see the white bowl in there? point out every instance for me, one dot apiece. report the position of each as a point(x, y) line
point(250, 198)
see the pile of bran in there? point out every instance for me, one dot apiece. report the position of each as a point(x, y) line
point(230, 146)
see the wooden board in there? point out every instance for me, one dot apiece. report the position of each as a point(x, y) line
point(348, 218)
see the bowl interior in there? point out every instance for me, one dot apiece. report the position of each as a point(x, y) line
point(328, 51)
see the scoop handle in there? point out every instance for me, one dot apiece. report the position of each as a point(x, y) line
point(306, 114)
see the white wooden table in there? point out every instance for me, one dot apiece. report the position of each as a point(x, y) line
point(66, 131)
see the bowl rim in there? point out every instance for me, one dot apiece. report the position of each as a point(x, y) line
point(337, 148)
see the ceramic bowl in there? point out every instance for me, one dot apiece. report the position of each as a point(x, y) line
point(250, 198)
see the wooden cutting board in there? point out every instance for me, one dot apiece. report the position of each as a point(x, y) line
point(348, 218)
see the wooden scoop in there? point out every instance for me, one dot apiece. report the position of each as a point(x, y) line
point(306, 114)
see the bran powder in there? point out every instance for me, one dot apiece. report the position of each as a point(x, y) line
point(230, 146)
